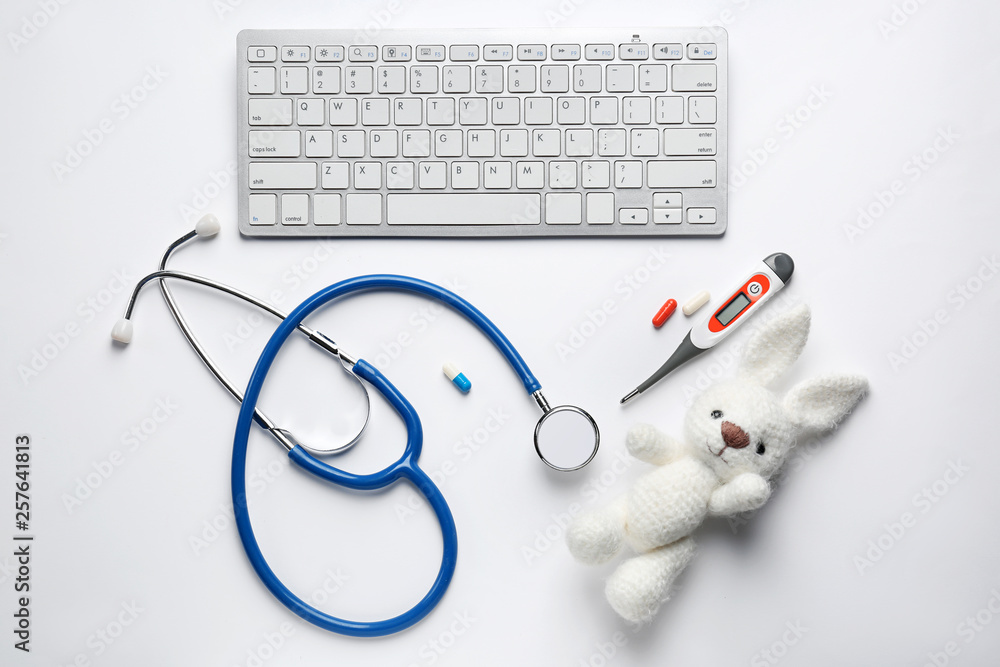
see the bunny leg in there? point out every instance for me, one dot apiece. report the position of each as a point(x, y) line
point(596, 537)
point(641, 584)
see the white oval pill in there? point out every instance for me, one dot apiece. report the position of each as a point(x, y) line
point(696, 302)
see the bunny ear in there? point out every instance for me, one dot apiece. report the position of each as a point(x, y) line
point(776, 346)
point(822, 402)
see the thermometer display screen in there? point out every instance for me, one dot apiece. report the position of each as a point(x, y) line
point(733, 308)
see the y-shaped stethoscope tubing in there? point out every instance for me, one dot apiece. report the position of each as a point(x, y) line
point(405, 467)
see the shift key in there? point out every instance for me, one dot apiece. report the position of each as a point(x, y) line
point(283, 175)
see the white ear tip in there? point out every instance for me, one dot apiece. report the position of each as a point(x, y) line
point(122, 331)
point(209, 225)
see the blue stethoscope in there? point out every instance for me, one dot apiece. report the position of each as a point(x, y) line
point(566, 437)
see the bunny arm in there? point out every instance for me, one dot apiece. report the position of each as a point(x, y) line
point(649, 444)
point(745, 492)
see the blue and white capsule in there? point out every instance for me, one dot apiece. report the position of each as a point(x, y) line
point(457, 378)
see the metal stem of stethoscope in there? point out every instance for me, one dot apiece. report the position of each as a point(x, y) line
point(208, 227)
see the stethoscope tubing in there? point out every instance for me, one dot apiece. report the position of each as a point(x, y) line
point(406, 467)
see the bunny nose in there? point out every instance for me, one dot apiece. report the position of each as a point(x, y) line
point(734, 436)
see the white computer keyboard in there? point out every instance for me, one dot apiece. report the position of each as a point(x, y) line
point(512, 132)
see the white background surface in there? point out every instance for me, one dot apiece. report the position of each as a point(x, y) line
point(62, 242)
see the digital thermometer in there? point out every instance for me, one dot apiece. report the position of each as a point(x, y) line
point(772, 274)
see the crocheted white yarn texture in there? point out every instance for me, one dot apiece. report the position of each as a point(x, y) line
point(737, 434)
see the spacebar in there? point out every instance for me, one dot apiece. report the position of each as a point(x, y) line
point(486, 208)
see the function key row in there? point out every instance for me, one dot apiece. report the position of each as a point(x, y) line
point(488, 52)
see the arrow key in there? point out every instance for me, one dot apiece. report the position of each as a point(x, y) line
point(633, 216)
point(701, 216)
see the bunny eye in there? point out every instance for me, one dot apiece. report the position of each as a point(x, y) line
point(716, 414)
point(760, 447)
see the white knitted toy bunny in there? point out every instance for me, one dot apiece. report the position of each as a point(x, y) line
point(737, 434)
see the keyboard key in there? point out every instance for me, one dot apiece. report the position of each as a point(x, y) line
point(596, 174)
point(260, 80)
point(587, 78)
point(383, 143)
point(600, 51)
point(274, 143)
point(469, 208)
point(620, 79)
point(473, 111)
point(262, 54)
point(611, 142)
point(530, 175)
point(693, 78)
point(396, 53)
point(464, 175)
point(653, 78)
point(430, 53)
point(701, 109)
point(408, 111)
point(448, 143)
point(545, 143)
point(702, 51)
point(513, 143)
point(326, 80)
point(565, 52)
point(489, 79)
point(294, 209)
point(666, 216)
point(362, 54)
point(563, 208)
point(351, 143)
point(635, 110)
point(579, 143)
point(701, 216)
point(667, 200)
point(571, 110)
point(399, 175)
point(464, 52)
point(498, 52)
point(432, 175)
point(326, 209)
point(628, 174)
point(531, 52)
point(282, 175)
point(646, 142)
point(330, 54)
point(271, 111)
point(364, 209)
point(456, 79)
point(668, 51)
point(417, 143)
point(681, 174)
point(521, 78)
point(262, 209)
point(309, 111)
point(604, 110)
point(538, 111)
point(295, 54)
point(367, 175)
point(506, 110)
point(391, 80)
point(358, 80)
point(375, 111)
point(319, 143)
point(600, 208)
point(669, 110)
point(562, 175)
point(555, 79)
point(441, 111)
point(689, 142)
point(294, 80)
point(633, 216)
point(424, 79)
point(633, 51)
point(335, 175)
point(496, 175)
point(344, 112)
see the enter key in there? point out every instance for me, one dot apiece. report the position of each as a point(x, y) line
point(697, 141)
